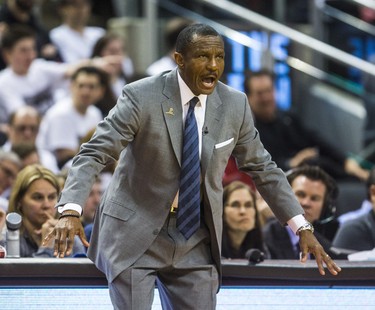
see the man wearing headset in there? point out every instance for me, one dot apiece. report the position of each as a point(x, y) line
point(316, 191)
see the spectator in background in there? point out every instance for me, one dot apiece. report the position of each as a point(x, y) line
point(27, 152)
point(92, 203)
point(23, 129)
point(112, 44)
point(316, 191)
point(10, 165)
point(264, 211)
point(31, 81)
point(359, 233)
point(289, 142)
point(89, 210)
point(167, 61)
point(74, 38)
point(241, 226)
point(27, 80)
point(34, 196)
point(13, 12)
point(232, 173)
point(366, 204)
point(73, 117)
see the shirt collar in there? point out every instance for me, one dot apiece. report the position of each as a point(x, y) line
point(187, 94)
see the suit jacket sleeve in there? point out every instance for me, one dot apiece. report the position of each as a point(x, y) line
point(271, 182)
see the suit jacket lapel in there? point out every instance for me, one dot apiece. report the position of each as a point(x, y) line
point(212, 123)
point(172, 112)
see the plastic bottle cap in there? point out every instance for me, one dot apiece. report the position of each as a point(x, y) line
point(13, 221)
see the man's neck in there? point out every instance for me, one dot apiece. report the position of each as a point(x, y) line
point(78, 27)
point(20, 72)
point(80, 108)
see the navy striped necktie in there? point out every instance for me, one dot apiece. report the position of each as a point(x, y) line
point(188, 212)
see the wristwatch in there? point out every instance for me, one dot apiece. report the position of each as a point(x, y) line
point(306, 226)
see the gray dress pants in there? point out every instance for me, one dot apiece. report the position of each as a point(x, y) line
point(185, 274)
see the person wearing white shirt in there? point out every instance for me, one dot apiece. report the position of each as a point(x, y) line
point(31, 81)
point(27, 80)
point(167, 62)
point(66, 123)
point(73, 38)
point(23, 128)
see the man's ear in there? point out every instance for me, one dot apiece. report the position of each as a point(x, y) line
point(179, 59)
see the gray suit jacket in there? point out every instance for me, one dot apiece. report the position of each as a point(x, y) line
point(146, 180)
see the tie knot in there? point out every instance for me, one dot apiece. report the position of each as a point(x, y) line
point(193, 102)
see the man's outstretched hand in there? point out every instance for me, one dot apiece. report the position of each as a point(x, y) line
point(63, 233)
point(309, 244)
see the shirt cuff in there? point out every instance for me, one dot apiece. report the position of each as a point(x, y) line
point(296, 222)
point(70, 206)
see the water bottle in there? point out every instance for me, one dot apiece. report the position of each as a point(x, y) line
point(13, 222)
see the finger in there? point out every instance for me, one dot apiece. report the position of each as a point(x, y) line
point(48, 237)
point(70, 242)
point(319, 261)
point(51, 222)
point(50, 217)
point(56, 245)
point(62, 244)
point(82, 236)
point(333, 268)
point(303, 256)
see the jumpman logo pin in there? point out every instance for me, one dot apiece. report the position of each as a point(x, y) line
point(170, 112)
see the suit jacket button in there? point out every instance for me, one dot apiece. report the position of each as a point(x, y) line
point(156, 231)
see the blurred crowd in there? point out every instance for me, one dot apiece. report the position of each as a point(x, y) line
point(57, 84)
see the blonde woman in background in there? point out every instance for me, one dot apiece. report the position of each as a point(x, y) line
point(34, 196)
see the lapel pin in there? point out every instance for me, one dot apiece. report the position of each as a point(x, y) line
point(170, 112)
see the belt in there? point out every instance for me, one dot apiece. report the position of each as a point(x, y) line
point(173, 210)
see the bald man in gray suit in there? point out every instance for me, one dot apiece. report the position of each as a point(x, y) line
point(135, 241)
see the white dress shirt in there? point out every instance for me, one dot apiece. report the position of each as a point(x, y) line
point(199, 111)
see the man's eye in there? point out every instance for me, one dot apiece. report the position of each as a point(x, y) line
point(300, 195)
